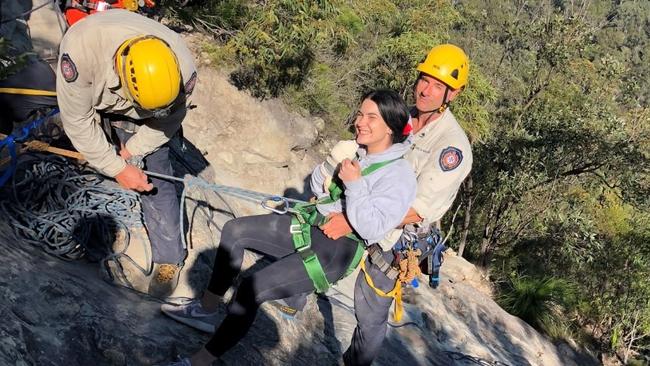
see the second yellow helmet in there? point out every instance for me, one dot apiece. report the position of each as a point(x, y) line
point(447, 63)
point(148, 71)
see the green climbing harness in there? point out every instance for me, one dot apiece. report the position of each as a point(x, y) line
point(306, 215)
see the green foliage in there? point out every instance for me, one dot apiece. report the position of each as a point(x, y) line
point(472, 109)
point(275, 49)
point(538, 301)
point(557, 109)
point(634, 362)
point(205, 15)
point(392, 64)
point(319, 95)
point(350, 21)
point(10, 64)
point(322, 55)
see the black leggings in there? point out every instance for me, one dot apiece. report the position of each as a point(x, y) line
point(286, 276)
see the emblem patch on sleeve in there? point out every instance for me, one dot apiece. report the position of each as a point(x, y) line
point(189, 85)
point(68, 68)
point(450, 158)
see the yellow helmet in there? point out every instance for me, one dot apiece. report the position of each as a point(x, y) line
point(148, 71)
point(447, 63)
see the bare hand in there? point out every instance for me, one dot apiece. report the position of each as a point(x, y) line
point(336, 226)
point(350, 170)
point(133, 178)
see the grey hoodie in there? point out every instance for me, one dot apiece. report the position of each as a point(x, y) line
point(376, 203)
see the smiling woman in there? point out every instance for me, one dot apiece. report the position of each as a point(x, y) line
point(380, 121)
point(372, 193)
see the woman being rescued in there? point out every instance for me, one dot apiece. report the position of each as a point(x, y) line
point(376, 190)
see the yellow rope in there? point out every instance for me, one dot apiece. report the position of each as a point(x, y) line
point(395, 293)
point(23, 91)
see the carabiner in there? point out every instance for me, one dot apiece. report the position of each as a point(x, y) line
point(274, 209)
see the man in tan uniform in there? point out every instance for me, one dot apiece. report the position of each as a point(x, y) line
point(442, 158)
point(122, 87)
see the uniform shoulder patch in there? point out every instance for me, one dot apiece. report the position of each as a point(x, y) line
point(190, 84)
point(450, 158)
point(68, 68)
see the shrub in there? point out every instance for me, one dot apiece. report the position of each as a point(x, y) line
point(539, 302)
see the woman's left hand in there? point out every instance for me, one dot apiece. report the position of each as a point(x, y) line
point(350, 170)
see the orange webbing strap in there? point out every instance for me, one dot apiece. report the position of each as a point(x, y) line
point(395, 293)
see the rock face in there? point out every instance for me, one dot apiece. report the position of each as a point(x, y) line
point(64, 313)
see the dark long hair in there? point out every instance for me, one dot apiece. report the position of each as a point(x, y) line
point(393, 110)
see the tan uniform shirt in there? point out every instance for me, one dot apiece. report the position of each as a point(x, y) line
point(442, 158)
point(87, 84)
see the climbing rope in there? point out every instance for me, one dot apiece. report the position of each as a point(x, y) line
point(245, 194)
point(59, 206)
point(267, 201)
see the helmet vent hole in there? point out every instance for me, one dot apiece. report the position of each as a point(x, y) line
point(454, 74)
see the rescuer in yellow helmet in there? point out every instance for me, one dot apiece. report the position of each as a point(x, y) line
point(441, 156)
point(122, 85)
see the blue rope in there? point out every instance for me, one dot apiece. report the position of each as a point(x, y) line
point(55, 205)
point(18, 136)
point(11, 146)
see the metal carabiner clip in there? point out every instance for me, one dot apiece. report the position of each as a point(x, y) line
point(410, 236)
point(276, 199)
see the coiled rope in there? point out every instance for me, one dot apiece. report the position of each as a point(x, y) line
point(59, 206)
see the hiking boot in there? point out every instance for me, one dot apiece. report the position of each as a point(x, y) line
point(192, 314)
point(286, 311)
point(164, 280)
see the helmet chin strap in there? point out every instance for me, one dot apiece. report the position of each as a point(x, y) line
point(439, 110)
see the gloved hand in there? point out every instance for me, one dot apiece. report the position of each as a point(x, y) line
point(344, 149)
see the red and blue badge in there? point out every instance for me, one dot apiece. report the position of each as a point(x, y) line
point(450, 158)
point(68, 68)
point(189, 85)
